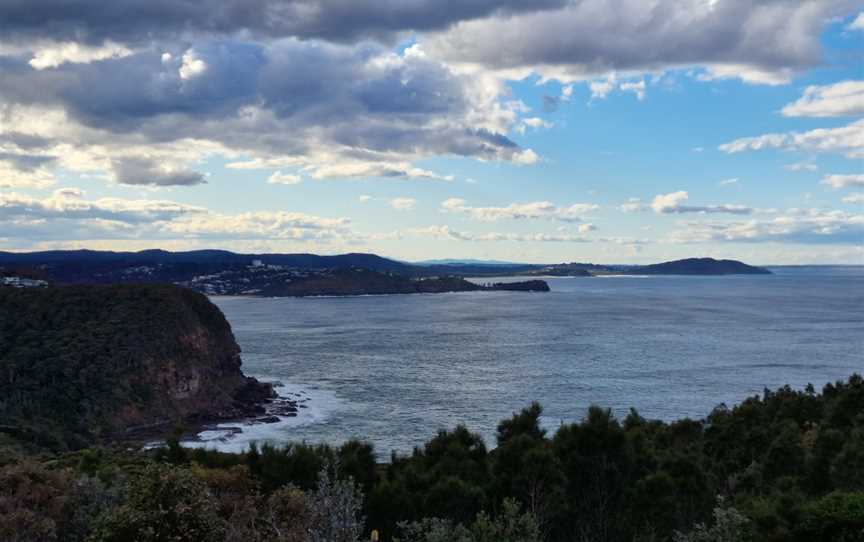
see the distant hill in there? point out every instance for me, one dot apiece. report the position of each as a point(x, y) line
point(151, 257)
point(699, 266)
point(105, 267)
point(469, 261)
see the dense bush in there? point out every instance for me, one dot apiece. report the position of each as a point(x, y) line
point(784, 466)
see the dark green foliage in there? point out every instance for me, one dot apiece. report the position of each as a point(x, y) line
point(80, 363)
point(786, 466)
point(165, 504)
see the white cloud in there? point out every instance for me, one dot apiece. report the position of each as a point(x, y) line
point(54, 54)
point(637, 88)
point(69, 204)
point(843, 181)
point(447, 233)
point(807, 226)
point(358, 169)
point(517, 211)
point(66, 214)
point(857, 198)
point(754, 76)
point(283, 178)
point(633, 205)
point(192, 65)
point(857, 23)
point(533, 122)
point(801, 166)
point(600, 89)
point(673, 203)
point(728, 182)
point(842, 99)
point(258, 225)
point(364, 198)
point(403, 204)
point(15, 178)
point(847, 140)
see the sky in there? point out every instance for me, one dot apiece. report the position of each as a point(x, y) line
point(546, 131)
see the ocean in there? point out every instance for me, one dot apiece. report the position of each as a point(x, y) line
point(392, 370)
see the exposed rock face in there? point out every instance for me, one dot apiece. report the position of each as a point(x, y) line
point(91, 362)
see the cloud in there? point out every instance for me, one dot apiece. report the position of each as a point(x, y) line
point(283, 178)
point(843, 181)
point(637, 88)
point(673, 203)
point(601, 89)
point(805, 226)
point(759, 41)
point(403, 204)
point(801, 166)
point(66, 214)
point(842, 99)
point(16, 178)
point(192, 66)
point(728, 182)
point(517, 211)
point(856, 198)
point(847, 140)
point(144, 171)
point(53, 55)
point(258, 225)
point(364, 198)
point(448, 233)
point(857, 23)
point(335, 111)
point(633, 205)
point(535, 123)
point(68, 204)
point(140, 21)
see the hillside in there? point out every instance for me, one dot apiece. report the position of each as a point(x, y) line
point(85, 363)
point(700, 266)
point(364, 282)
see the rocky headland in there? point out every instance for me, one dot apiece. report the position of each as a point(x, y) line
point(85, 364)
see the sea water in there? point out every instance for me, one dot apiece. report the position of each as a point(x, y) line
point(392, 370)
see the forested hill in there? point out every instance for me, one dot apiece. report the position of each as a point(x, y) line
point(700, 266)
point(81, 363)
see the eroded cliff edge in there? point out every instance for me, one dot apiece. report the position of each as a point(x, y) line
point(85, 364)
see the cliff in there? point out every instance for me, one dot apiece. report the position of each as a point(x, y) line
point(86, 363)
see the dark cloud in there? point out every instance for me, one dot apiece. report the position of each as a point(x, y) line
point(24, 141)
point(139, 21)
point(25, 162)
point(287, 98)
point(141, 171)
point(593, 37)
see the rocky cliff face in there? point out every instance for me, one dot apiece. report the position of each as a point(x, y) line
point(94, 362)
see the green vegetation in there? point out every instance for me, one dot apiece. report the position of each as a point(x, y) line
point(786, 466)
point(80, 364)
